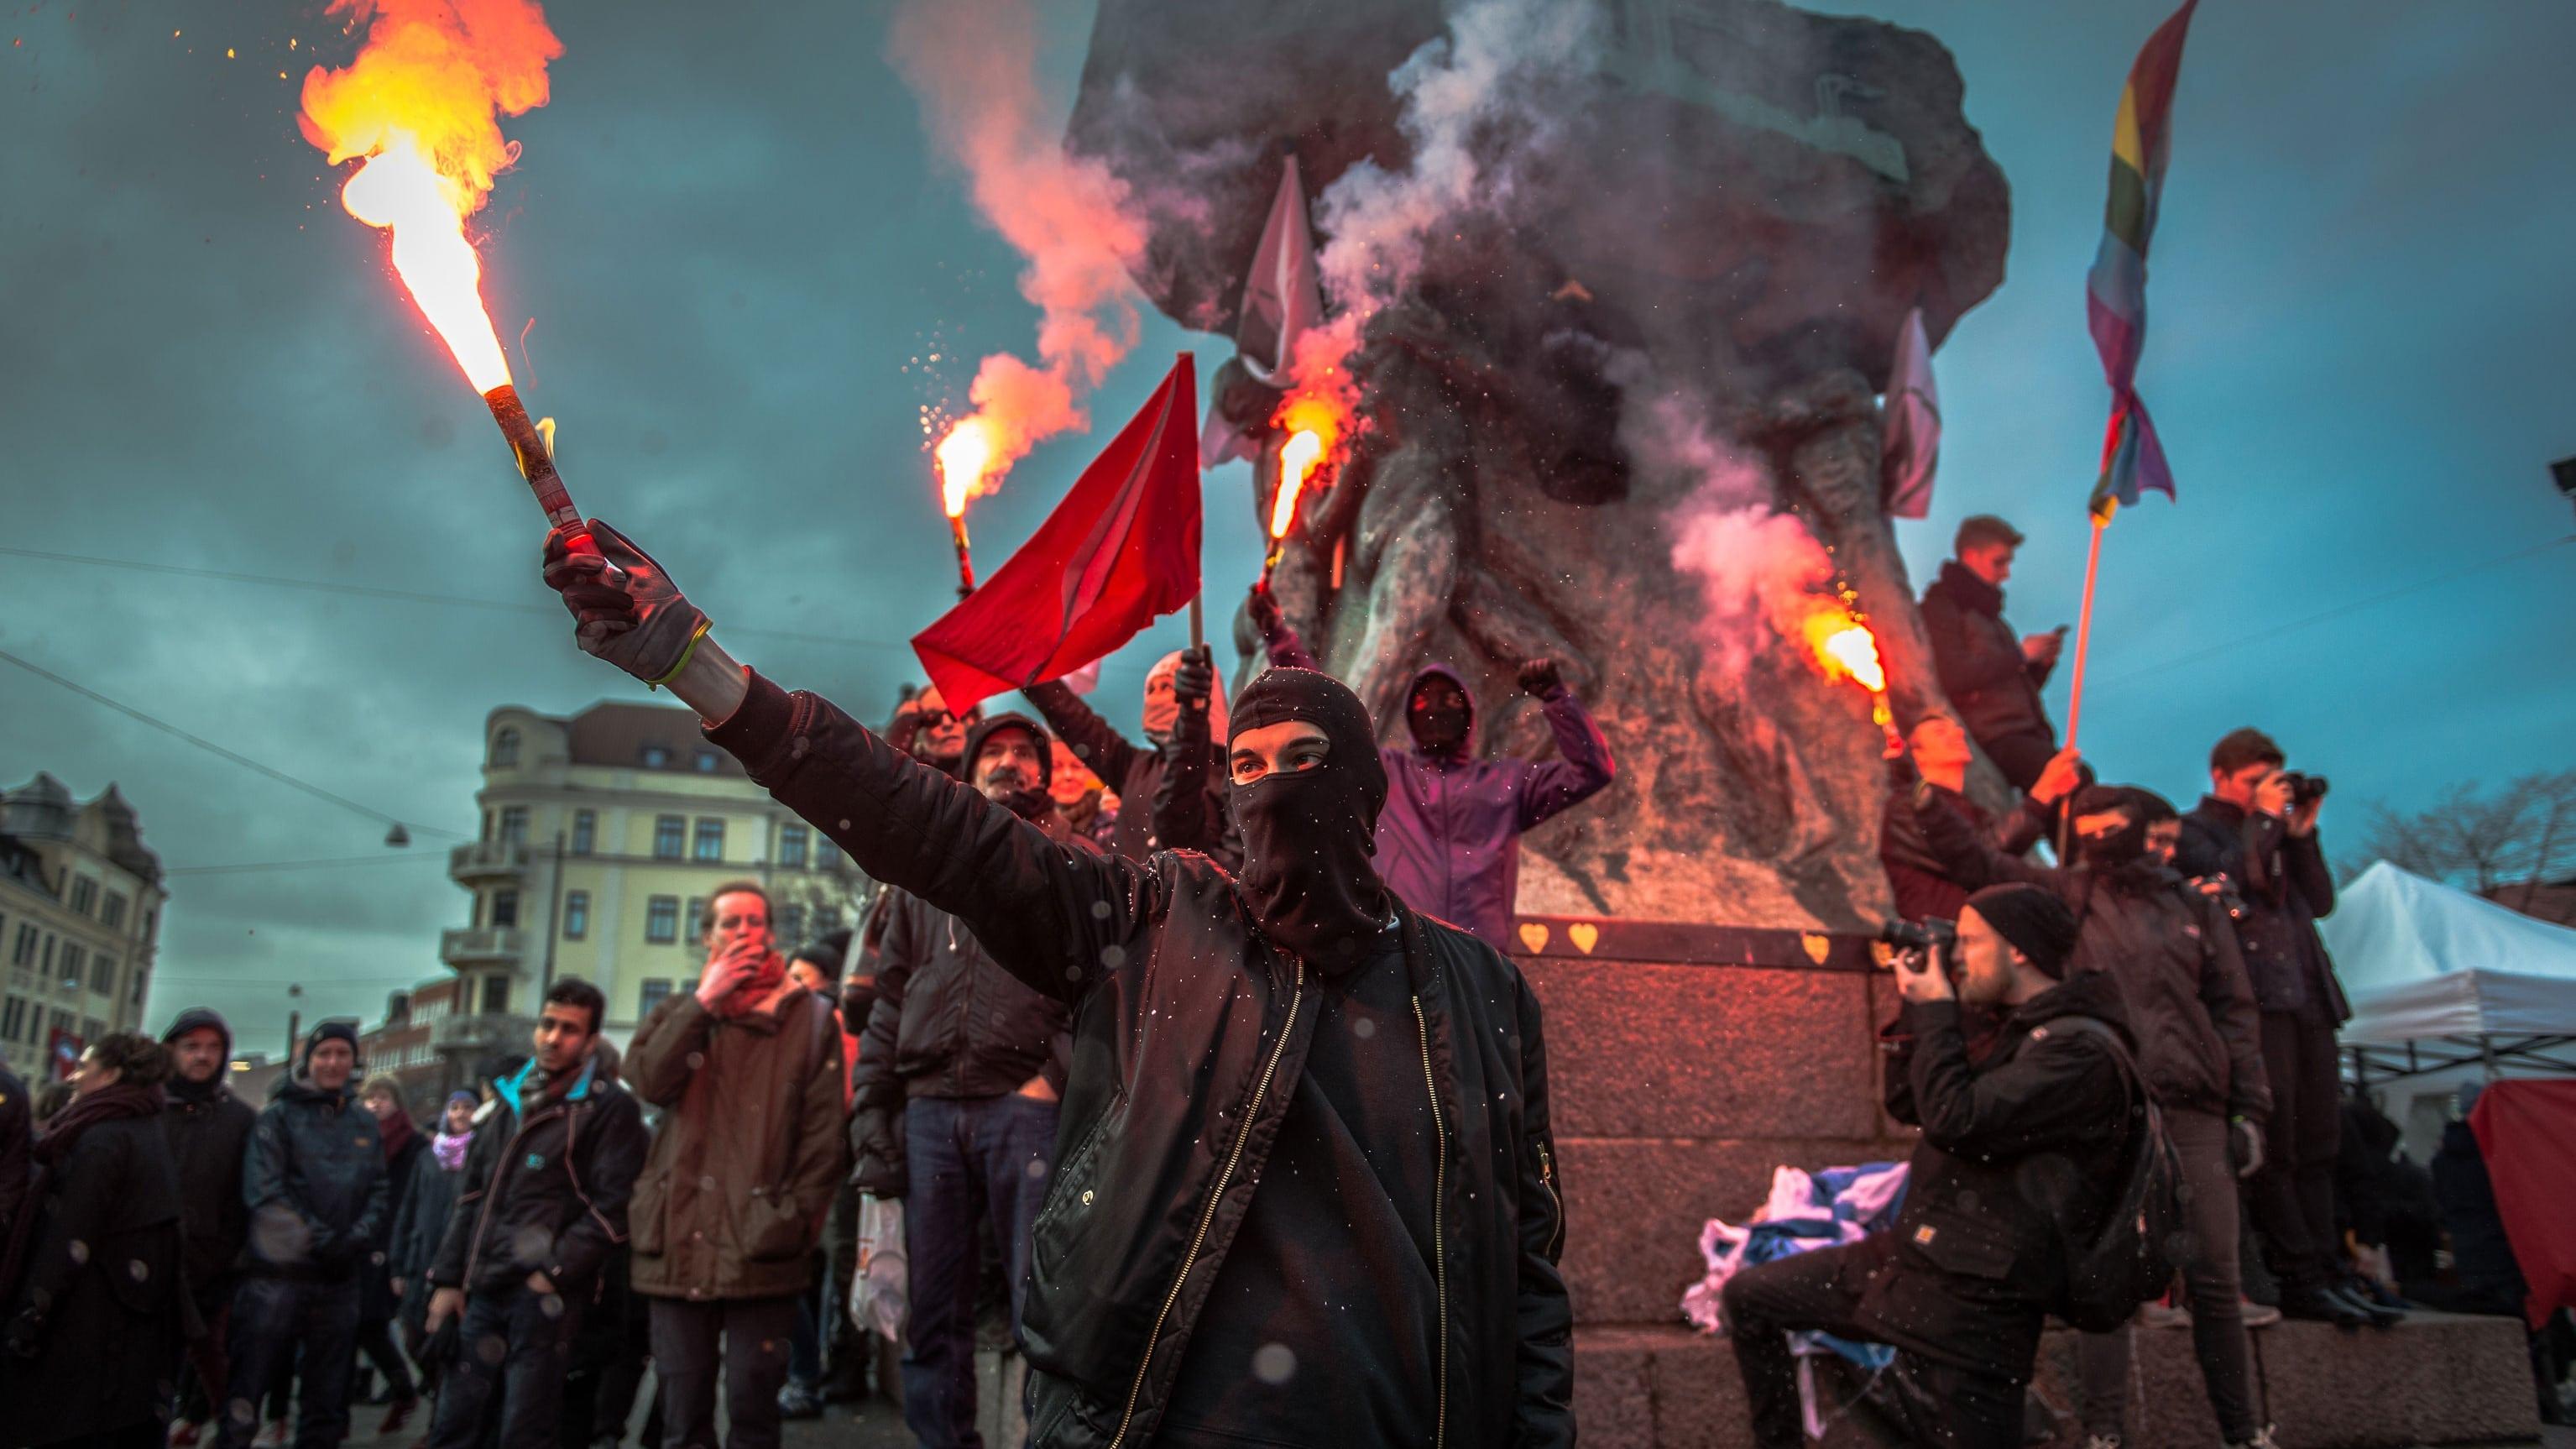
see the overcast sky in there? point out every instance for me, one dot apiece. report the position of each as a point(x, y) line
point(742, 261)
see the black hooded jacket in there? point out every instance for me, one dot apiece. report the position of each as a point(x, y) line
point(2018, 1157)
point(1979, 658)
point(314, 1180)
point(545, 1185)
point(1187, 1026)
point(209, 1130)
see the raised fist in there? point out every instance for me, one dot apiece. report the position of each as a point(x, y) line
point(1541, 677)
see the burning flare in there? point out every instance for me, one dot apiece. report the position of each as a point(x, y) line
point(965, 463)
point(419, 107)
point(1314, 424)
point(1297, 458)
point(1846, 649)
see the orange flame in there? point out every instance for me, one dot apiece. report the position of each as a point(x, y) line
point(965, 463)
point(1845, 649)
point(419, 107)
point(1314, 423)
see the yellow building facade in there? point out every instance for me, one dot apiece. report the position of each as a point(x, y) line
point(80, 920)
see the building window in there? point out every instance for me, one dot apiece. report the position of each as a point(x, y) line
point(102, 975)
point(791, 846)
point(670, 834)
point(15, 1013)
point(151, 924)
point(140, 979)
point(653, 994)
point(709, 844)
point(73, 957)
point(496, 994)
point(697, 918)
point(505, 910)
point(703, 761)
point(514, 824)
point(827, 856)
point(791, 927)
point(505, 749)
point(654, 757)
point(827, 919)
point(585, 831)
point(23, 951)
point(662, 920)
point(84, 894)
point(576, 915)
point(113, 917)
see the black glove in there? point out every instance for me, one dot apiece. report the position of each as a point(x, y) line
point(1195, 680)
point(877, 1151)
point(1541, 677)
point(1265, 611)
point(630, 612)
point(24, 1335)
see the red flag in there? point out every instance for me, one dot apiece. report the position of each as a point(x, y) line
point(1121, 550)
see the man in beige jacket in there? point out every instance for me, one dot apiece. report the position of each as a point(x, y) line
point(748, 1073)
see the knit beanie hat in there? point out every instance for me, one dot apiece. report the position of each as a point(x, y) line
point(2033, 919)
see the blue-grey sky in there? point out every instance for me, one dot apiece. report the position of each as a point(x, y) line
point(747, 271)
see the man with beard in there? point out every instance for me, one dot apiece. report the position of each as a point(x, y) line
point(2021, 1151)
point(1308, 1195)
point(747, 1071)
point(1135, 773)
point(208, 1128)
point(1992, 677)
point(954, 1109)
point(2200, 1049)
point(1448, 841)
point(543, 1208)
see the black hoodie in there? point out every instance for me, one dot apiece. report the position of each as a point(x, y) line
point(208, 1128)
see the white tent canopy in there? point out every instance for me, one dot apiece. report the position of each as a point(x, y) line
point(2421, 961)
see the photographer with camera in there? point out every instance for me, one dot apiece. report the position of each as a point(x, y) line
point(2170, 949)
point(2251, 843)
point(2020, 1154)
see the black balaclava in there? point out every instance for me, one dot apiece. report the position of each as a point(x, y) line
point(2122, 848)
point(1309, 835)
point(1033, 802)
point(1416, 719)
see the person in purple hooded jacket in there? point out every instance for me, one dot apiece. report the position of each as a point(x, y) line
point(1448, 841)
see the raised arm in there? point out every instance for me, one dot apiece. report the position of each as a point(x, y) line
point(1583, 767)
point(2046, 1097)
point(1045, 912)
point(1969, 858)
point(1278, 636)
point(1096, 742)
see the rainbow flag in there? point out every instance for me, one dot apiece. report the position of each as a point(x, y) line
point(2115, 293)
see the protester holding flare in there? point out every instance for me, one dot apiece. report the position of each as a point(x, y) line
point(1449, 841)
point(747, 1071)
point(1136, 772)
point(1345, 1101)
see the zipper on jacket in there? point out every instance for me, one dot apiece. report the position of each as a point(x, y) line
point(1439, 1205)
point(492, 1190)
point(1251, 1112)
point(1547, 1179)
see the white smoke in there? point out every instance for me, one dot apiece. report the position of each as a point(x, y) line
point(1754, 564)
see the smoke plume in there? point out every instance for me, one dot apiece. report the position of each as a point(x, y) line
point(1753, 563)
point(973, 65)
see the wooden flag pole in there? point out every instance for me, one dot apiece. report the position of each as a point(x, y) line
point(1198, 624)
point(2084, 630)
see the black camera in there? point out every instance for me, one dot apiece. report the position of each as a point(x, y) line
point(1920, 935)
point(2305, 789)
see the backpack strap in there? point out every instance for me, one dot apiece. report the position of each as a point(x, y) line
point(2133, 1087)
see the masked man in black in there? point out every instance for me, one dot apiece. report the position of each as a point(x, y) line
point(1305, 1191)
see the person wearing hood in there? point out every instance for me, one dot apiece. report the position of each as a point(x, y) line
point(1136, 773)
point(541, 1207)
point(956, 1090)
point(209, 1131)
point(1307, 1194)
point(2020, 1155)
point(2183, 985)
point(1448, 842)
point(377, 1303)
point(314, 1180)
point(748, 1073)
point(1992, 677)
point(99, 1311)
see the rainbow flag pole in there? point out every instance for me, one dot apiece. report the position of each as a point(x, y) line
point(2115, 304)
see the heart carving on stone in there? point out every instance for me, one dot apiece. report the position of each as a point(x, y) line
point(1817, 946)
point(1534, 936)
point(1585, 936)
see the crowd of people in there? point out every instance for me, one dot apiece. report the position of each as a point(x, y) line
point(1085, 1018)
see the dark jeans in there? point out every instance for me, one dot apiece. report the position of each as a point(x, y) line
point(2293, 1196)
point(206, 1378)
point(1929, 1403)
point(516, 1344)
point(376, 1341)
point(742, 1339)
point(2209, 1277)
point(973, 1162)
point(272, 1319)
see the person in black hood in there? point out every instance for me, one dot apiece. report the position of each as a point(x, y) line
point(2174, 955)
point(314, 1180)
point(954, 1099)
point(1305, 1128)
point(209, 1130)
point(1993, 678)
point(2019, 1155)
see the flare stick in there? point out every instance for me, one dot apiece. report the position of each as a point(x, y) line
point(965, 556)
point(536, 462)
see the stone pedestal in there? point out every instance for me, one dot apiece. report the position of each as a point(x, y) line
point(1686, 1062)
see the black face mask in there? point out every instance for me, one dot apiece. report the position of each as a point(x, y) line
point(1309, 836)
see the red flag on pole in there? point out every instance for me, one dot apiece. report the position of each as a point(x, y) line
point(1121, 550)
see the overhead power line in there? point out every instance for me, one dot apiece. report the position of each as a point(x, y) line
point(333, 861)
point(210, 747)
